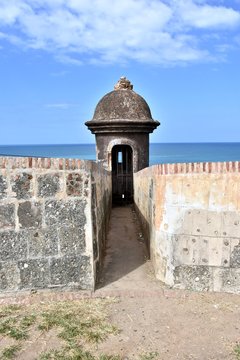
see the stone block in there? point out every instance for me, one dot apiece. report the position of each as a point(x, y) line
point(235, 253)
point(206, 223)
point(218, 252)
point(171, 219)
point(72, 240)
point(12, 246)
point(21, 185)
point(201, 250)
point(3, 187)
point(65, 212)
point(48, 185)
point(29, 214)
point(227, 280)
point(43, 242)
point(7, 216)
point(71, 270)
point(34, 274)
point(9, 276)
point(231, 224)
point(198, 278)
point(74, 184)
point(86, 186)
point(184, 222)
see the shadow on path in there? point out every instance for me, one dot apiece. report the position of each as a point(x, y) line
point(126, 253)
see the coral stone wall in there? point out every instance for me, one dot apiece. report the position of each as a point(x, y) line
point(191, 216)
point(50, 227)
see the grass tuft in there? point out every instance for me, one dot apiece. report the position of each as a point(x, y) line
point(14, 325)
point(149, 356)
point(237, 351)
point(74, 353)
point(109, 357)
point(10, 352)
point(76, 322)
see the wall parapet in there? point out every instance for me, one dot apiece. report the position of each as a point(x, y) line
point(11, 162)
point(193, 168)
point(191, 219)
point(51, 231)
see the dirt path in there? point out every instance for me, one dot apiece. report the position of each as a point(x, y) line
point(155, 320)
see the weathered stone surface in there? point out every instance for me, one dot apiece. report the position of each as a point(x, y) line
point(227, 280)
point(201, 250)
point(235, 256)
point(9, 276)
point(29, 214)
point(71, 269)
point(122, 104)
point(86, 187)
point(7, 216)
point(193, 277)
point(205, 222)
point(230, 224)
point(43, 242)
point(74, 184)
point(122, 117)
point(12, 246)
point(55, 230)
point(65, 212)
point(21, 185)
point(48, 185)
point(34, 273)
point(198, 206)
point(3, 187)
point(72, 240)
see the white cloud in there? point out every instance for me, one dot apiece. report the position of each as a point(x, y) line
point(113, 31)
point(206, 16)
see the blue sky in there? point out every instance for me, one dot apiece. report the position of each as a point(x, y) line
point(59, 57)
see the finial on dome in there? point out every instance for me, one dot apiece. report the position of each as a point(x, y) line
point(123, 84)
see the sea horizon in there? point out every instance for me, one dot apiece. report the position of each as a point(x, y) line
point(165, 152)
point(151, 142)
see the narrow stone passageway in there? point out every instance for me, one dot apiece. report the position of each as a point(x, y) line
point(126, 264)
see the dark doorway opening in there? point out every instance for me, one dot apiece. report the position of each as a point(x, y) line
point(122, 174)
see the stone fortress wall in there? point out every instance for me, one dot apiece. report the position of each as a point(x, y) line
point(191, 216)
point(54, 217)
point(53, 221)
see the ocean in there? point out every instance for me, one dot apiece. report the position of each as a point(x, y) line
point(159, 153)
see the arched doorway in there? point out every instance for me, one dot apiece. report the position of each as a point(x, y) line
point(122, 174)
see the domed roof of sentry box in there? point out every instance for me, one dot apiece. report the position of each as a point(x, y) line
point(122, 103)
point(122, 110)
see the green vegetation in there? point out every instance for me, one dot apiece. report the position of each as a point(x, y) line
point(149, 356)
point(74, 353)
point(78, 320)
point(10, 352)
point(237, 351)
point(14, 324)
point(76, 323)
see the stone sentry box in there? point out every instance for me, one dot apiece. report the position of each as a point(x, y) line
point(121, 123)
point(51, 230)
point(122, 117)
